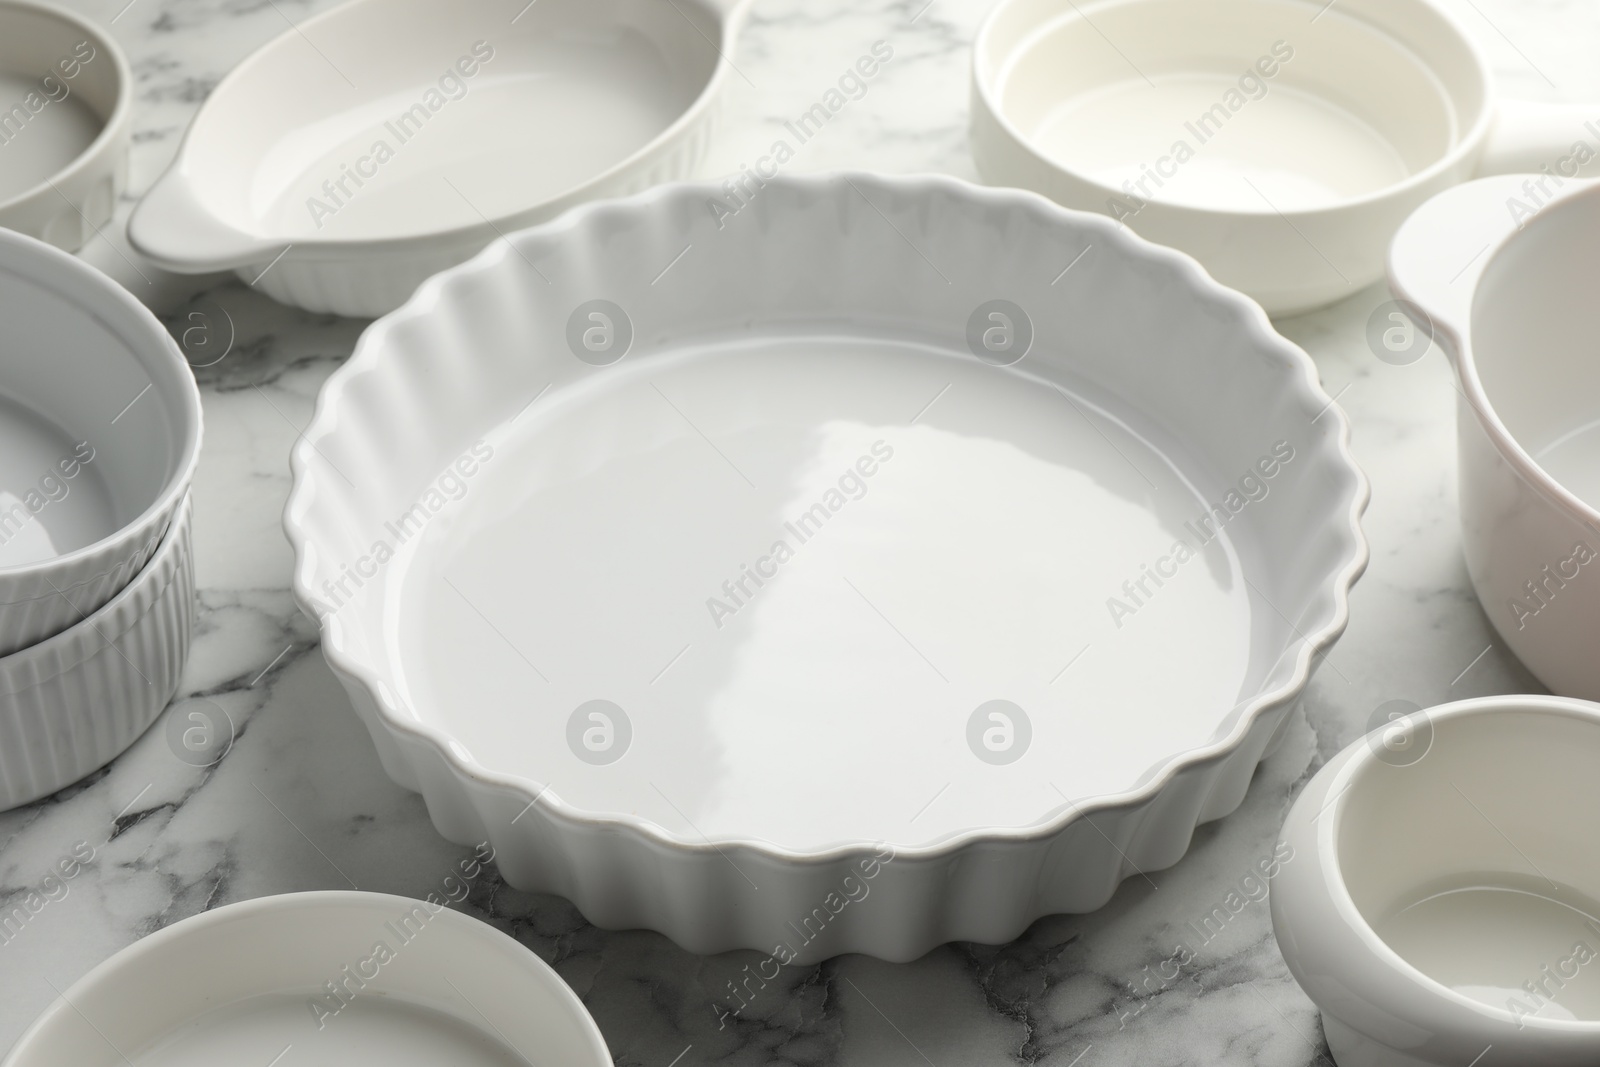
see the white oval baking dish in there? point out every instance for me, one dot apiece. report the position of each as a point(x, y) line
point(328, 977)
point(71, 704)
point(1443, 903)
point(336, 176)
point(1279, 142)
point(1501, 272)
point(99, 438)
point(66, 124)
point(538, 521)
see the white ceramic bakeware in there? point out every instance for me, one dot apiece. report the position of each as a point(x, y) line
point(72, 703)
point(1442, 906)
point(99, 437)
point(380, 142)
point(319, 978)
point(700, 559)
point(1279, 142)
point(66, 123)
point(1503, 275)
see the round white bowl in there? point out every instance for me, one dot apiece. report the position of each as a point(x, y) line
point(328, 977)
point(1279, 142)
point(99, 437)
point(1443, 904)
point(1501, 272)
point(528, 494)
point(66, 123)
point(72, 703)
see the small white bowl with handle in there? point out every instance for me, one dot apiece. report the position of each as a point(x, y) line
point(1279, 142)
point(1502, 272)
point(1443, 904)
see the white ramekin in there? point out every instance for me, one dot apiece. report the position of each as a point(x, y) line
point(1496, 797)
point(45, 41)
point(74, 702)
point(85, 359)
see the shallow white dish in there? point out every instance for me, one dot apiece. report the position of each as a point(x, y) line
point(1503, 277)
point(1443, 903)
point(1279, 142)
point(66, 123)
point(72, 703)
point(319, 978)
point(522, 581)
point(99, 437)
point(380, 142)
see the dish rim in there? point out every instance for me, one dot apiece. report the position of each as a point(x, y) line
point(288, 904)
point(984, 90)
point(1253, 321)
point(91, 293)
point(729, 14)
point(121, 115)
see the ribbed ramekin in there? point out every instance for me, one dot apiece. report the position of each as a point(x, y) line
point(421, 376)
point(74, 702)
point(83, 356)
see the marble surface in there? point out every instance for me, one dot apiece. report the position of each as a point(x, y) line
point(300, 801)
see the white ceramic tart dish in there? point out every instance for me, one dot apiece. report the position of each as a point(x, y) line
point(99, 438)
point(72, 703)
point(66, 123)
point(379, 142)
point(1443, 904)
point(318, 978)
point(1501, 273)
point(1279, 142)
point(707, 556)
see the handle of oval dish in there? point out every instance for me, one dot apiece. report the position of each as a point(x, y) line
point(172, 228)
point(1529, 137)
point(1440, 252)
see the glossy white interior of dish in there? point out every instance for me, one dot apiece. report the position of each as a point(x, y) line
point(1533, 342)
point(974, 563)
point(301, 979)
point(462, 113)
point(1272, 111)
point(564, 530)
point(94, 428)
point(58, 89)
point(1471, 863)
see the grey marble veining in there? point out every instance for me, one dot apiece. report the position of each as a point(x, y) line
point(300, 801)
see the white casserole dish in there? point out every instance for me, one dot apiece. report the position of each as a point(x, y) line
point(380, 141)
point(319, 978)
point(71, 704)
point(66, 124)
point(1279, 142)
point(99, 438)
point(1502, 272)
point(532, 516)
point(1442, 906)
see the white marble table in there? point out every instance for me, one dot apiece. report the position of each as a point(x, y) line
point(301, 790)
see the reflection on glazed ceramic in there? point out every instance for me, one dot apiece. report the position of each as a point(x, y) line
point(51, 501)
point(794, 576)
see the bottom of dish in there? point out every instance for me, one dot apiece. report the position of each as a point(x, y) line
point(688, 585)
